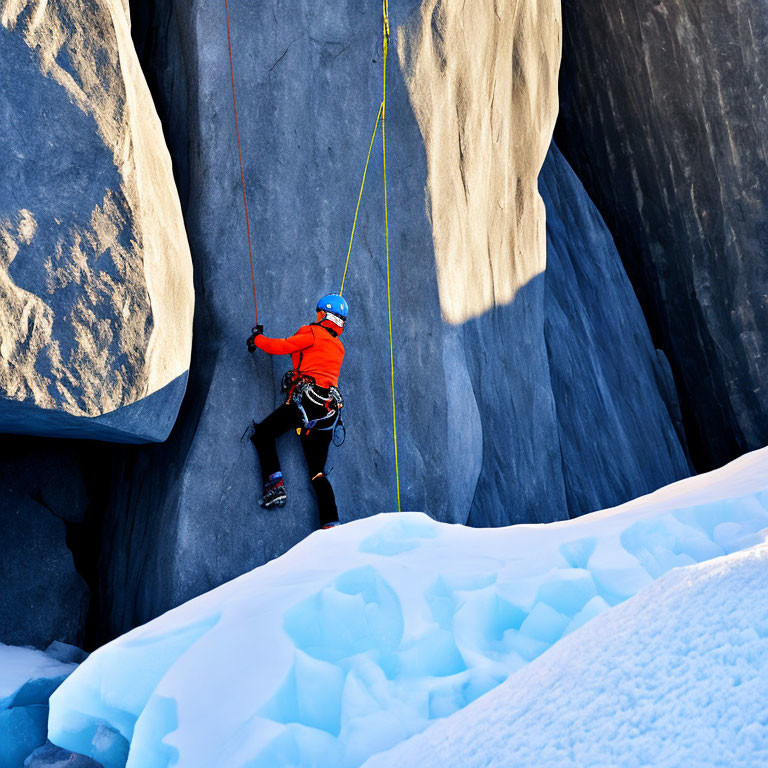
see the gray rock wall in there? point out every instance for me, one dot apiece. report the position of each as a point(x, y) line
point(42, 596)
point(618, 417)
point(483, 436)
point(95, 275)
point(665, 119)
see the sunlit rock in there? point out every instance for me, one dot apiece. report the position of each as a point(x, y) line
point(95, 274)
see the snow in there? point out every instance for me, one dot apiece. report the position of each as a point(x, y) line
point(675, 676)
point(360, 637)
point(28, 669)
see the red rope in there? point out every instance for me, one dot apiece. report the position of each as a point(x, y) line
point(242, 172)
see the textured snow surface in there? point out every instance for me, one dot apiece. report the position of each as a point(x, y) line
point(26, 668)
point(676, 676)
point(360, 637)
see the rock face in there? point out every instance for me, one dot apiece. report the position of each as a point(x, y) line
point(96, 292)
point(480, 428)
point(485, 104)
point(51, 756)
point(617, 412)
point(42, 493)
point(665, 119)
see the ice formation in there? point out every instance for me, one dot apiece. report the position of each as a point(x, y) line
point(676, 676)
point(359, 638)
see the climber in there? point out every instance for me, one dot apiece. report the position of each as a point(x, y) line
point(312, 403)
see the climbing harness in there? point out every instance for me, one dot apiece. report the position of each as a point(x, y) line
point(380, 119)
point(308, 395)
point(325, 403)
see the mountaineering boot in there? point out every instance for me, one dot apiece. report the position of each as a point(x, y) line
point(274, 492)
point(327, 526)
point(274, 495)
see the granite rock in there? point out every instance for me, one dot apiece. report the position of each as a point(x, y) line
point(96, 292)
point(42, 494)
point(617, 410)
point(665, 120)
point(66, 653)
point(51, 756)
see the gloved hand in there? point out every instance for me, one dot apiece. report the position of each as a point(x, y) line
point(257, 330)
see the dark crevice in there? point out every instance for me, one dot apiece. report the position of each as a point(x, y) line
point(282, 55)
point(84, 537)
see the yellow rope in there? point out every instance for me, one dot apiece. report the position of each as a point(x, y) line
point(359, 198)
point(385, 12)
point(381, 117)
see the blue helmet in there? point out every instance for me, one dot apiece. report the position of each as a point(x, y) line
point(334, 304)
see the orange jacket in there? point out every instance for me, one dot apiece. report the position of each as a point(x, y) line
point(314, 352)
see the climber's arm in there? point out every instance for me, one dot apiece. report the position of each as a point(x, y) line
point(295, 343)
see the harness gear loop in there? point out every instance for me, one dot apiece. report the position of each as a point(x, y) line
point(242, 171)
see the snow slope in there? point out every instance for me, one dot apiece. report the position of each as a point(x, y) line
point(676, 676)
point(358, 638)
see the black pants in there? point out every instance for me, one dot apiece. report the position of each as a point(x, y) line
point(315, 444)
